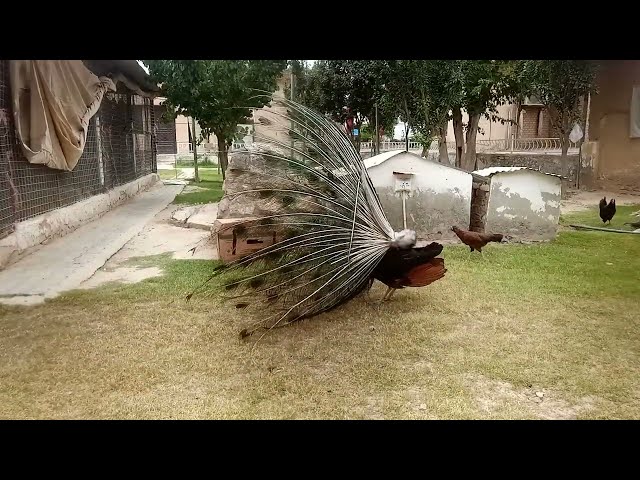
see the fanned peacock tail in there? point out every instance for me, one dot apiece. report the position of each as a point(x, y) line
point(331, 231)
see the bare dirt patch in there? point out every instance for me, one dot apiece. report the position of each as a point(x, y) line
point(493, 396)
point(583, 200)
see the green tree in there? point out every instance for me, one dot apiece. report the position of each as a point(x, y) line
point(423, 94)
point(560, 85)
point(478, 87)
point(336, 87)
point(219, 94)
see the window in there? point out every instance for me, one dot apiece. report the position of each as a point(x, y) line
point(634, 113)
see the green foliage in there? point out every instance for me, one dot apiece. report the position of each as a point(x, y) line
point(332, 85)
point(204, 161)
point(367, 133)
point(559, 84)
point(418, 92)
point(483, 85)
point(423, 140)
point(241, 132)
point(219, 94)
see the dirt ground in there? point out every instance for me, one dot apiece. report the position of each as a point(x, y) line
point(581, 200)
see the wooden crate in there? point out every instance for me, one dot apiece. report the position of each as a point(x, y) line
point(230, 247)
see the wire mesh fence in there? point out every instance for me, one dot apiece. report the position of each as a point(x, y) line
point(120, 148)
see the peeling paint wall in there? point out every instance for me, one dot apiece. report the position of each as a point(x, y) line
point(440, 196)
point(524, 204)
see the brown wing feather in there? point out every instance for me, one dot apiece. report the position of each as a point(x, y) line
point(425, 274)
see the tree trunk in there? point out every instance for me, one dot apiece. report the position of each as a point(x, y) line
point(407, 123)
point(425, 150)
point(195, 151)
point(442, 144)
point(459, 134)
point(223, 154)
point(469, 161)
point(406, 136)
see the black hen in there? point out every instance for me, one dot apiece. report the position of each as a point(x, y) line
point(415, 267)
point(607, 211)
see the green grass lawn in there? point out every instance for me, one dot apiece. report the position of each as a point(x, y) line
point(209, 189)
point(592, 218)
point(557, 318)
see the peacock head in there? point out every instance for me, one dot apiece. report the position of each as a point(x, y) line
point(404, 239)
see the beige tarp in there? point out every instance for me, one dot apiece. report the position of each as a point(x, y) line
point(634, 113)
point(53, 101)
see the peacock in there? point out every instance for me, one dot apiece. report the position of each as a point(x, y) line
point(332, 236)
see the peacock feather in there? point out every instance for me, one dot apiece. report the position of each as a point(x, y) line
point(312, 189)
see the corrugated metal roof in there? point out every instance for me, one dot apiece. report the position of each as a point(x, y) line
point(487, 172)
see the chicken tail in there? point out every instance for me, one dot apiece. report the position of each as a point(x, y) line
point(427, 273)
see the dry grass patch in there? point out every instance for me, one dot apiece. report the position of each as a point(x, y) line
point(552, 318)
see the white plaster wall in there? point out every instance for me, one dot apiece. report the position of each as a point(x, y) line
point(441, 195)
point(525, 204)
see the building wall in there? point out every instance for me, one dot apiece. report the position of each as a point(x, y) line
point(440, 196)
point(618, 154)
point(535, 122)
point(530, 118)
point(524, 205)
point(490, 130)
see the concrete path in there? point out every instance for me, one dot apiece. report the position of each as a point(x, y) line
point(66, 262)
point(196, 216)
point(159, 236)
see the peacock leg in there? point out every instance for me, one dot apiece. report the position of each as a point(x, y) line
point(386, 294)
point(391, 293)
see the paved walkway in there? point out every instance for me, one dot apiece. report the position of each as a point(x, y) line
point(66, 262)
point(196, 216)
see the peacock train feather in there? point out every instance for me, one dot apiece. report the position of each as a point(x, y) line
point(331, 232)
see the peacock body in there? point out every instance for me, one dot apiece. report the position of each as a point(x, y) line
point(332, 235)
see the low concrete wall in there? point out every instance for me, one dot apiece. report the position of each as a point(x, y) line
point(547, 163)
point(32, 233)
point(430, 213)
point(440, 196)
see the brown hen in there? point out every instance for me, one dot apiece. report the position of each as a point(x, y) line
point(475, 240)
